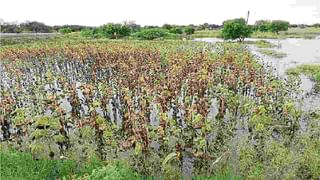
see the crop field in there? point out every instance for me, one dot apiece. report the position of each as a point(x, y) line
point(162, 108)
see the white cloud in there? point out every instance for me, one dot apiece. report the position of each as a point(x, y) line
point(97, 12)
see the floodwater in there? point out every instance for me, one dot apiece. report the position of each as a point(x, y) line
point(298, 51)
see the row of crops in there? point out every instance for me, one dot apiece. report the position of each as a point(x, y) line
point(167, 108)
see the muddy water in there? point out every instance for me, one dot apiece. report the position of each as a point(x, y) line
point(299, 51)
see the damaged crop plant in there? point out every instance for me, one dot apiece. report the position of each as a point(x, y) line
point(166, 108)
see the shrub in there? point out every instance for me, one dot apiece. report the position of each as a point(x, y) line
point(115, 31)
point(263, 25)
point(279, 25)
point(235, 29)
point(150, 34)
point(87, 32)
point(117, 171)
point(176, 30)
point(189, 30)
point(66, 30)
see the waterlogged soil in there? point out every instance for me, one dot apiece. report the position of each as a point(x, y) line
point(298, 51)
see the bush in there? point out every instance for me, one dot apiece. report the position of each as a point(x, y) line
point(150, 34)
point(176, 30)
point(279, 25)
point(263, 26)
point(189, 30)
point(235, 29)
point(17, 165)
point(66, 30)
point(87, 32)
point(117, 171)
point(115, 31)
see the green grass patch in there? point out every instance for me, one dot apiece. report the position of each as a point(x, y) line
point(207, 34)
point(272, 53)
point(306, 33)
point(22, 166)
point(311, 70)
point(261, 44)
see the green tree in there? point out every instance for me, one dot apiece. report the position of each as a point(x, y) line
point(235, 29)
point(66, 30)
point(150, 34)
point(189, 30)
point(115, 31)
point(263, 25)
point(279, 25)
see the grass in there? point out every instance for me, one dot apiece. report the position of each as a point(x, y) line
point(261, 44)
point(307, 33)
point(272, 53)
point(207, 33)
point(21, 166)
point(311, 70)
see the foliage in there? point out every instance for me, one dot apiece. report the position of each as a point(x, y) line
point(150, 34)
point(29, 26)
point(312, 70)
point(115, 31)
point(189, 30)
point(176, 30)
point(263, 25)
point(278, 25)
point(272, 53)
point(66, 30)
point(158, 105)
point(261, 44)
point(235, 29)
point(115, 171)
point(17, 165)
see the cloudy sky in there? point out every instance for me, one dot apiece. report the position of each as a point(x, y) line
point(157, 12)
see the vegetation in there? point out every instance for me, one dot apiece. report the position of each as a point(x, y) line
point(277, 26)
point(271, 26)
point(235, 29)
point(18, 165)
point(151, 34)
point(311, 70)
point(272, 53)
point(261, 44)
point(66, 30)
point(156, 105)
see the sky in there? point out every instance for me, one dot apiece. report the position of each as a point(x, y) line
point(157, 12)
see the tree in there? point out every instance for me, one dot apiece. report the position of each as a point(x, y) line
point(279, 25)
point(150, 34)
point(263, 25)
point(189, 30)
point(65, 30)
point(115, 31)
point(235, 29)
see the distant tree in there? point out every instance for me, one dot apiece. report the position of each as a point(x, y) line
point(279, 25)
point(317, 25)
point(35, 27)
point(88, 32)
point(167, 26)
point(189, 30)
point(115, 31)
point(263, 25)
point(176, 30)
point(74, 28)
point(153, 33)
point(235, 29)
point(133, 26)
point(65, 30)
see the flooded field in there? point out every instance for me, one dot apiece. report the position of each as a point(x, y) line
point(297, 51)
